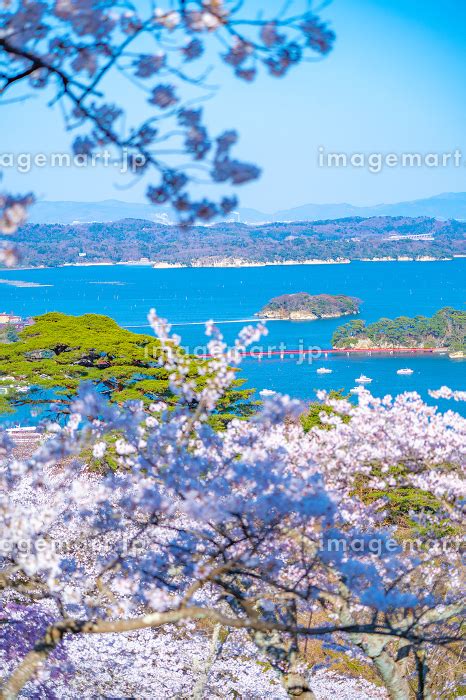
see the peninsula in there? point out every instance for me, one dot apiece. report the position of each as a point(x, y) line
point(305, 307)
point(445, 330)
point(234, 244)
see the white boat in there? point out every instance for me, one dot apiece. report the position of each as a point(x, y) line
point(363, 379)
point(406, 370)
point(324, 370)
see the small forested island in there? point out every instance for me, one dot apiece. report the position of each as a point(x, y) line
point(305, 307)
point(446, 329)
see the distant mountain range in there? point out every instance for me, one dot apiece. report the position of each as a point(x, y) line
point(443, 206)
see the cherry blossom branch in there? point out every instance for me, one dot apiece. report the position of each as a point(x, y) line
point(55, 634)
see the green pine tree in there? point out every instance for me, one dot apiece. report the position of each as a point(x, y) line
point(59, 352)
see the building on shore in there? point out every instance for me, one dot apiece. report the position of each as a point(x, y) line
point(11, 319)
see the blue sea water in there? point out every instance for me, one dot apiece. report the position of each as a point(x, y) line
point(188, 297)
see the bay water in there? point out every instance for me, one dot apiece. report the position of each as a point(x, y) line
point(231, 296)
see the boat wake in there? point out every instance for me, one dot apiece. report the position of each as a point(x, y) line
point(202, 323)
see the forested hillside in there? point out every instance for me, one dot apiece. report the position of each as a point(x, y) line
point(445, 329)
point(133, 239)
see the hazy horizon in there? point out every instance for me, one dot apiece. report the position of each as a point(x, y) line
point(142, 200)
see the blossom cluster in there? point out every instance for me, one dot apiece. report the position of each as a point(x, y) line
point(13, 212)
point(230, 530)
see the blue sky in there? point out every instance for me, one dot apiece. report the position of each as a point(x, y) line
point(394, 83)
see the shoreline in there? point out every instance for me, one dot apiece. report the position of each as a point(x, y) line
point(394, 351)
point(272, 263)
